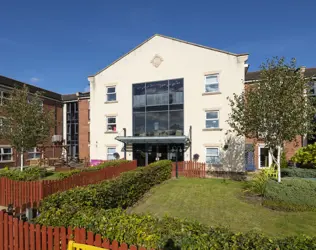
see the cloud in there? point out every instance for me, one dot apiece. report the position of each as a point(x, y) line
point(35, 79)
point(87, 89)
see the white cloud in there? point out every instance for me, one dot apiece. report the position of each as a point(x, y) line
point(35, 79)
point(87, 89)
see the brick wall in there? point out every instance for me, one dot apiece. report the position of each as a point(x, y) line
point(53, 106)
point(84, 128)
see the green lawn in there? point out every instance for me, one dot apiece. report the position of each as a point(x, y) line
point(213, 202)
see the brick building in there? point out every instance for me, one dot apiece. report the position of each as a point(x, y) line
point(260, 156)
point(52, 101)
point(71, 113)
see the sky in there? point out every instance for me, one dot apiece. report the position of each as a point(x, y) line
point(57, 44)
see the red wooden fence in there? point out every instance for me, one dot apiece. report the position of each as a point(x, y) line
point(190, 169)
point(20, 193)
point(18, 235)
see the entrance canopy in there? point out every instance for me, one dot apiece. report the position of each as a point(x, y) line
point(152, 139)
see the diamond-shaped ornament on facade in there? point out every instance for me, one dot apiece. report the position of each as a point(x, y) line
point(157, 60)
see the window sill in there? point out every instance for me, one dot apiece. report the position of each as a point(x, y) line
point(212, 129)
point(108, 102)
point(110, 132)
point(7, 161)
point(212, 93)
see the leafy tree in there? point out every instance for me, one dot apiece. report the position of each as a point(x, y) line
point(26, 123)
point(276, 108)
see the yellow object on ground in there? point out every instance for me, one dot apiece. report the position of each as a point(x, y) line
point(76, 246)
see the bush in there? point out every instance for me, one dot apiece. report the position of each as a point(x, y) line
point(258, 183)
point(292, 194)
point(114, 163)
point(124, 191)
point(28, 174)
point(298, 172)
point(306, 156)
point(172, 233)
point(283, 161)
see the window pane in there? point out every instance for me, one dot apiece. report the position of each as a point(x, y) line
point(139, 101)
point(212, 124)
point(7, 150)
point(157, 123)
point(111, 150)
point(210, 79)
point(176, 91)
point(212, 159)
point(212, 151)
point(111, 97)
point(264, 157)
point(112, 120)
point(157, 93)
point(211, 87)
point(176, 123)
point(212, 115)
point(6, 157)
point(139, 124)
point(110, 157)
point(111, 90)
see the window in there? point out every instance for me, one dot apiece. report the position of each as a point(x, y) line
point(5, 154)
point(211, 83)
point(313, 88)
point(110, 152)
point(212, 156)
point(212, 119)
point(111, 123)
point(33, 154)
point(111, 94)
point(3, 97)
point(89, 112)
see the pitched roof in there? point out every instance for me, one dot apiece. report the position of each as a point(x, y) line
point(171, 38)
point(255, 75)
point(11, 83)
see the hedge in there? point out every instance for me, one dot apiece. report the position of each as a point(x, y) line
point(123, 191)
point(292, 194)
point(298, 172)
point(172, 233)
point(28, 174)
point(113, 163)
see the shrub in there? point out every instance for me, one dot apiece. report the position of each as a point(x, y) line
point(124, 191)
point(258, 183)
point(298, 172)
point(306, 156)
point(114, 163)
point(28, 174)
point(172, 233)
point(291, 194)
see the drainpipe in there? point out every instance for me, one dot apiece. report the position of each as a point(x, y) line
point(124, 129)
point(190, 143)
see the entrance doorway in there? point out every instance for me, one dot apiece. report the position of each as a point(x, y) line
point(149, 153)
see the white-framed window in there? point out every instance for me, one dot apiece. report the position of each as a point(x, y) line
point(212, 119)
point(111, 94)
point(3, 97)
point(211, 83)
point(6, 154)
point(110, 153)
point(111, 123)
point(212, 155)
point(33, 153)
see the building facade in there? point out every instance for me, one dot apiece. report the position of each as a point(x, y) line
point(167, 98)
point(259, 156)
point(51, 101)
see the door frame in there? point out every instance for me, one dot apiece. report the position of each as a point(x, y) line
point(270, 161)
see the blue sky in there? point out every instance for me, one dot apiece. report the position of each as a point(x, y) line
point(57, 44)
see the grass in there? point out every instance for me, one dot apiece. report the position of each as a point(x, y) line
point(51, 176)
point(217, 203)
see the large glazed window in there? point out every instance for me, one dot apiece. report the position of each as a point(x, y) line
point(158, 108)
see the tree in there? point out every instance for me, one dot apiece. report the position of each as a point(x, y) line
point(275, 109)
point(26, 123)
